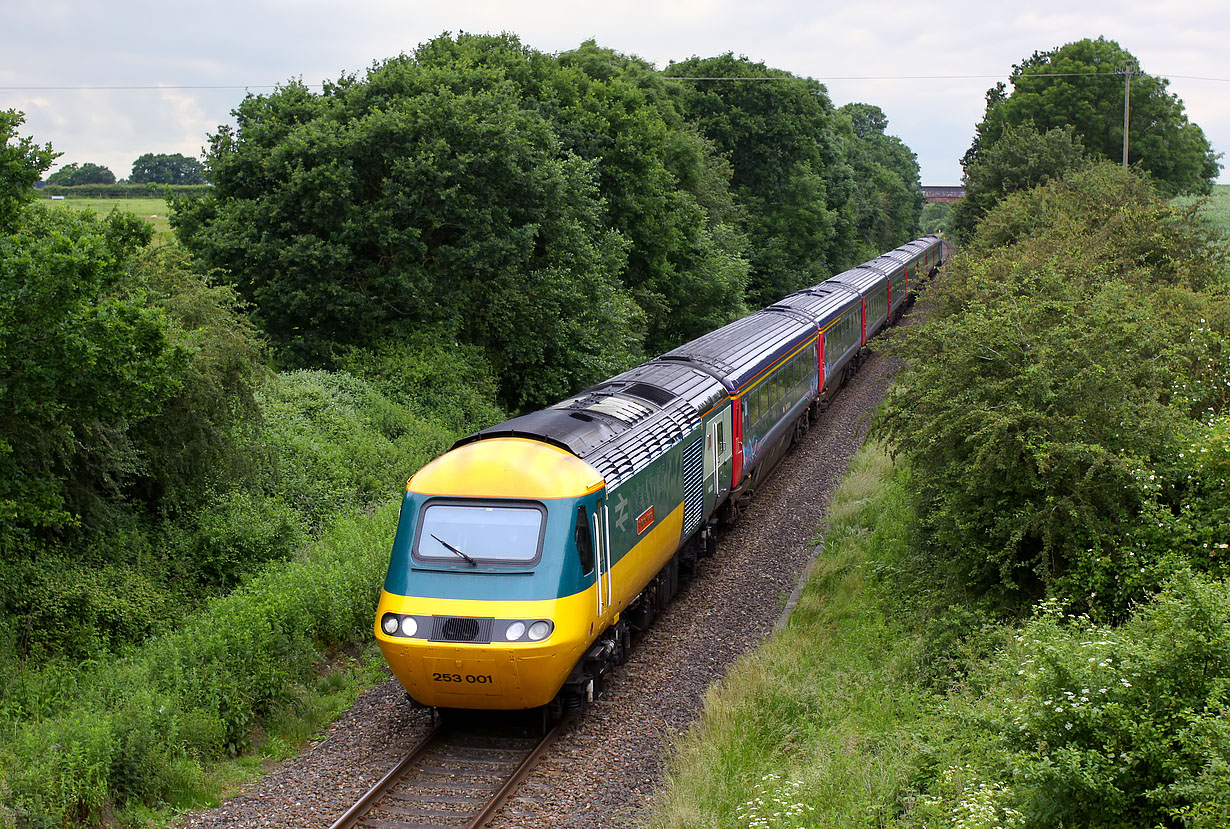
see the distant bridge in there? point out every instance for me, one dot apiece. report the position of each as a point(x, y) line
point(945, 194)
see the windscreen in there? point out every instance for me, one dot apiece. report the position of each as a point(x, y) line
point(479, 533)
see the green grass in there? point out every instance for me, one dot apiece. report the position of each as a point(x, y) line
point(154, 211)
point(823, 726)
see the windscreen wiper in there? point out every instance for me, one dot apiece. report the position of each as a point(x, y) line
point(454, 549)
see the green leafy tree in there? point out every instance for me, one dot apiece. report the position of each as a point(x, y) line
point(21, 163)
point(1020, 159)
point(396, 202)
point(662, 187)
point(167, 169)
point(887, 193)
point(70, 175)
point(790, 173)
point(1081, 85)
point(1039, 412)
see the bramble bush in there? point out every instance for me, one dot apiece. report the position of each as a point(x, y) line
point(1083, 724)
point(1070, 356)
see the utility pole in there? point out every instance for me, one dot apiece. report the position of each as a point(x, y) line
point(1128, 69)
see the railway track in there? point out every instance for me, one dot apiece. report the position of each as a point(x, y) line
point(456, 777)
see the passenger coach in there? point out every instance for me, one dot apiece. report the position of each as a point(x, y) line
point(527, 555)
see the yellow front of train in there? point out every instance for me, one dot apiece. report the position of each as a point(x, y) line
point(490, 597)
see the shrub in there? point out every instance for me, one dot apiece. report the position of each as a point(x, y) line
point(1084, 724)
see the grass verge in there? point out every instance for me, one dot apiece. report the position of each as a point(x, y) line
point(822, 726)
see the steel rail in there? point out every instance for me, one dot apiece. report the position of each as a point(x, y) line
point(421, 754)
point(351, 816)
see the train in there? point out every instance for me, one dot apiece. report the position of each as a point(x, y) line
point(528, 555)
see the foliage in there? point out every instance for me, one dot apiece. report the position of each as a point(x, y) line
point(887, 194)
point(1044, 398)
point(86, 740)
point(71, 175)
point(790, 173)
point(1020, 159)
point(663, 188)
point(936, 218)
point(81, 362)
point(1081, 85)
point(1083, 724)
point(21, 163)
point(333, 441)
point(498, 196)
point(164, 168)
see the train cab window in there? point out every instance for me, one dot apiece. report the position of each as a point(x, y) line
point(479, 533)
point(585, 541)
point(721, 436)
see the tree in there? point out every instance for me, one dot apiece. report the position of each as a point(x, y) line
point(70, 175)
point(790, 173)
point(887, 194)
point(1020, 159)
point(21, 163)
point(1048, 403)
point(167, 169)
point(662, 186)
point(406, 201)
point(1081, 85)
point(122, 372)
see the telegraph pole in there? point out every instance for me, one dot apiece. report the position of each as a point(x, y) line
point(1128, 69)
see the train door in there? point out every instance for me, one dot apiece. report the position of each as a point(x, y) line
point(602, 534)
point(719, 454)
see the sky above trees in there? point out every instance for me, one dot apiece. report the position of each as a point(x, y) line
point(926, 65)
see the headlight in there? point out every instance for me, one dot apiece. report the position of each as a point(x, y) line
point(514, 631)
point(540, 630)
point(409, 627)
point(389, 624)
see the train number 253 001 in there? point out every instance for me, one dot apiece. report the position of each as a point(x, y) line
point(472, 679)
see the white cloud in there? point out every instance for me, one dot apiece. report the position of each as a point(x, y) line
point(257, 42)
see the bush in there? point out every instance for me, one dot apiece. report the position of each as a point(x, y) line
point(1085, 724)
point(131, 730)
point(122, 191)
point(1071, 351)
point(336, 441)
point(237, 534)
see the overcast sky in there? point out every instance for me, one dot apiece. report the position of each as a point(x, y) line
point(927, 65)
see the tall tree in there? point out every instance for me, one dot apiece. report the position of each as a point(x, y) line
point(1020, 159)
point(887, 194)
point(790, 172)
point(405, 200)
point(1081, 85)
point(167, 169)
point(71, 175)
point(662, 187)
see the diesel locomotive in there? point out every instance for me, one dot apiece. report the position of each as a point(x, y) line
point(527, 556)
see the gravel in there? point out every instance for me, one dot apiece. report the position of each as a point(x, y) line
point(606, 767)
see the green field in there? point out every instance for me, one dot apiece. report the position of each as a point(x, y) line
point(1217, 207)
point(155, 211)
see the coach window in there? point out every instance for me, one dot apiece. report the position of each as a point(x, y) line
point(585, 542)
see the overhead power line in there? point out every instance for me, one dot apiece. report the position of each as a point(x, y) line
point(171, 87)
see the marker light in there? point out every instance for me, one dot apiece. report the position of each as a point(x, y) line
point(515, 631)
point(409, 627)
point(540, 630)
point(389, 624)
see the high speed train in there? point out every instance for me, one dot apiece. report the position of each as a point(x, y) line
point(527, 556)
